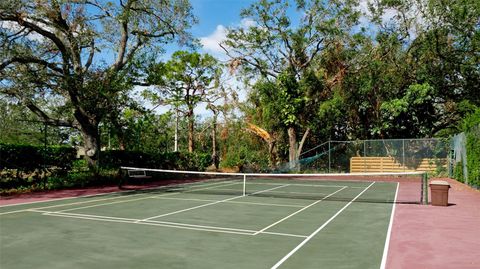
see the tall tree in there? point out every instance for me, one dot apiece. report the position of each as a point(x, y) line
point(82, 51)
point(185, 81)
point(423, 72)
point(282, 50)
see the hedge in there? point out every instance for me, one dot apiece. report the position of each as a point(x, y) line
point(34, 167)
point(472, 133)
point(169, 160)
point(27, 167)
point(29, 158)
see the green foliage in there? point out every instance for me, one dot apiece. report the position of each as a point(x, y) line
point(140, 131)
point(60, 61)
point(458, 172)
point(113, 159)
point(29, 158)
point(31, 167)
point(24, 166)
point(413, 112)
point(310, 64)
point(245, 158)
point(472, 131)
point(185, 81)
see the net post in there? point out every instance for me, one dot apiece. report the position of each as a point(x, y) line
point(244, 184)
point(425, 188)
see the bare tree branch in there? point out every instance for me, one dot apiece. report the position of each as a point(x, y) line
point(28, 60)
point(56, 122)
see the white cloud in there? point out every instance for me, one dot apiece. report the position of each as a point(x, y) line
point(212, 42)
point(247, 23)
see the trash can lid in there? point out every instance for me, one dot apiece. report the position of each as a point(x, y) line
point(439, 182)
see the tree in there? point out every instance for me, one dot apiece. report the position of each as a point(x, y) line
point(282, 52)
point(418, 74)
point(83, 52)
point(185, 81)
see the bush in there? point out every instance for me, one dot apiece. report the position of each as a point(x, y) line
point(27, 167)
point(29, 158)
point(32, 167)
point(471, 127)
point(243, 157)
point(168, 160)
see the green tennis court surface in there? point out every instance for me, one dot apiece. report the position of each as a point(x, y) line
point(278, 224)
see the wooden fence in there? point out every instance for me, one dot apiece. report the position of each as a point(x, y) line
point(390, 164)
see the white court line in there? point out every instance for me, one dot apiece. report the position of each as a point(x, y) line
point(298, 184)
point(94, 195)
point(223, 228)
point(160, 223)
point(280, 262)
point(76, 203)
point(142, 198)
point(309, 185)
point(144, 223)
point(298, 211)
point(65, 198)
point(212, 203)
point(231, 202)
point(389, 232)
point(287, 192)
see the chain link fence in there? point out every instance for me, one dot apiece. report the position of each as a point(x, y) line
point(465, 157)
point(404, 154)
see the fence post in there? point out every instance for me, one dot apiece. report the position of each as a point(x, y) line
point(44, 157)
point(364, 155)
point(403, 156)
point(329, 160)
point(425, 188)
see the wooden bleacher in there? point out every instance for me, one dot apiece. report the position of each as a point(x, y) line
point(390, 164)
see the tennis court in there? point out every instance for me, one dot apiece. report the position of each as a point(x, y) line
point(221, 222)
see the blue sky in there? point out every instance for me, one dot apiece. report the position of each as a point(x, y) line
point(212, 13)
point(213, 18)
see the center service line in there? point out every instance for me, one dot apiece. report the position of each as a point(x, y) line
point(280, 262)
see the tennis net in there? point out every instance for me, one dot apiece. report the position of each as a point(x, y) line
point(405, 187)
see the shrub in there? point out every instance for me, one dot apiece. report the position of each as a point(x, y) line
point(471, 127)
point(29, 158)
point(168, 160)
point(32, 167)
point(27, 167)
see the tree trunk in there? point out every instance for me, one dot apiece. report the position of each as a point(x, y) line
point(292, 150)
point(272, 153)
point(91, 138)
point(191, 123)
point(215, 158)
point(176, 131)
point(302, 142)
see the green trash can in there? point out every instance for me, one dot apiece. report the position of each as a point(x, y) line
point(439, 192)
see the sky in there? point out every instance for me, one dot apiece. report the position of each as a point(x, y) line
point(214, 16)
